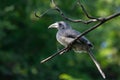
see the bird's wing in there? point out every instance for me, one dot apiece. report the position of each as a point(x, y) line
point(73, 34)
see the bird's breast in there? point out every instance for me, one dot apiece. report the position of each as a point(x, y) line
point(63, 40)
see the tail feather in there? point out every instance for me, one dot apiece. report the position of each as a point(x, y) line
point(96, 63)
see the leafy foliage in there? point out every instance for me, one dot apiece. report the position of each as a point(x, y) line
point(25, 40)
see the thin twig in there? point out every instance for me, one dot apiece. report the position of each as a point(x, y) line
point(112, 16)
point(59, 52)
point(39, 16)
point(84, 10)
point(55, 7)
point(91, 19)
point(69, 19)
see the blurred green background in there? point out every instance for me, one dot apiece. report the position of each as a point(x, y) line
point(25, 40)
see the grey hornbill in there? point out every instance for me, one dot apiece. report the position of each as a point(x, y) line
point(66, 34)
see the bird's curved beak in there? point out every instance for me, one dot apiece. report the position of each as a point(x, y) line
point(54, 25)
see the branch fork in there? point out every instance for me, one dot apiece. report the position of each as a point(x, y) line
point(91, 20)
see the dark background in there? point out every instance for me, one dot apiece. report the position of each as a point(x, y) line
point(25, 40)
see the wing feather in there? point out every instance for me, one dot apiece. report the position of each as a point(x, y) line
point(73, 34)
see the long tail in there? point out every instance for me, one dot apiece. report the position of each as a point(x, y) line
point(96, 63)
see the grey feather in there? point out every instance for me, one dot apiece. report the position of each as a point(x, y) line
point(67, 34)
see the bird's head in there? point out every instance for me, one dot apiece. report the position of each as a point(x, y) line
point(61, 25)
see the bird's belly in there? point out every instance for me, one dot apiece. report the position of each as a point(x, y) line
point(79, 48)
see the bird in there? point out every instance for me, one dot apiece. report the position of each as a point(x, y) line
point(66, 34)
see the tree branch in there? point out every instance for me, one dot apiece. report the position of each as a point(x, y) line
point(66, 49)
point(42, 13)
point(59, 52)
point(77, 20)
point(84, 10)
point(92, 19)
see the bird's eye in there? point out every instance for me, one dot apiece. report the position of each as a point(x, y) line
point(60, 24)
